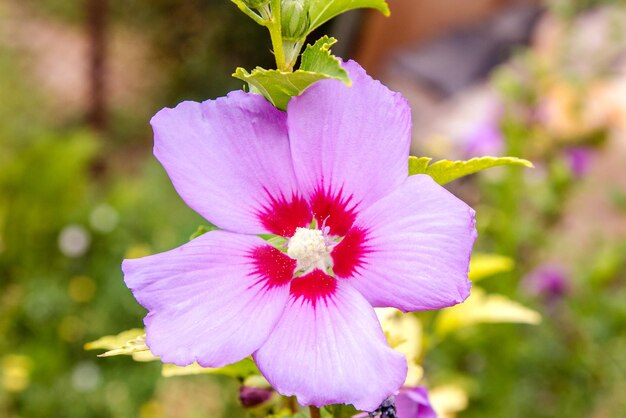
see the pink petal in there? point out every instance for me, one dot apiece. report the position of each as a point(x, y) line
point(339, 135)
point(334, 210)
point(213, 300)
point(411, 249)
point(328, 348)
point(313, 287)
point(349, 255)
point(229, 159)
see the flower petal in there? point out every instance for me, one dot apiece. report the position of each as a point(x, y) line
point(229, 159)
point(329, 348)
point(213, 300)
point(413, 402)
point(340, 135)
point(411, 249)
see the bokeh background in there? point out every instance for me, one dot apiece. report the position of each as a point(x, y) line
point(80, 190)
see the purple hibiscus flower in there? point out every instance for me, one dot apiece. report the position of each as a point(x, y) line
point(330, 176)
point(409, 402)
point(413, 402)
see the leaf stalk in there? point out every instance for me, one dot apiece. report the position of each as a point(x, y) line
point(249, 12)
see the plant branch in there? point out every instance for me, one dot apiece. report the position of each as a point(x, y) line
point(274, 26)
point(292, 405)
point(315, 412)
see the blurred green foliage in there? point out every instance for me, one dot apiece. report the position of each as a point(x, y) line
point(198, 43)
point(571, 8)
point(572, 364)
point(74, 203)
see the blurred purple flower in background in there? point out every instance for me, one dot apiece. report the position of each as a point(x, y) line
point(484, 139)
point(579, 160)
point(549, 281)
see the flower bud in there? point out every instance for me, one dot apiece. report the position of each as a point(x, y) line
point(294, 19)
point(255, 4)
point(549, 281)
point(251, 397)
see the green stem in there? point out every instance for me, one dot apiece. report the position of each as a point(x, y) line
point(241, 5)
point(315, 412)
point(274, 26)
point(292, 51)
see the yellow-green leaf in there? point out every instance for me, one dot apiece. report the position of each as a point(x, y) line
point(481, 307)
point(404, 334)
point(418, 165)
point(239, 370)
point(448, 400)
point(486, 265)
point(130, 343)
point(111, 342)
point(142, 356)
point(445, 171)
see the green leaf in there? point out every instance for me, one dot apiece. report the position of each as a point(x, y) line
point(202, 229)
point(240, 370)
point(341, 411)
point(276, 241)
point(278, 87)
point(444, 171)
point(486, 265)
point(321, 11)
point(317, 58)
point(288, 414)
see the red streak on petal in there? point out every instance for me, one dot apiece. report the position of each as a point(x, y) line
point(272, 266)
point(282, 217)
point(332, 210)
point(350, 253)
point(313, 286)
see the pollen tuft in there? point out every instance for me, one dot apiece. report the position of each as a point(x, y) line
point(308, 247)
